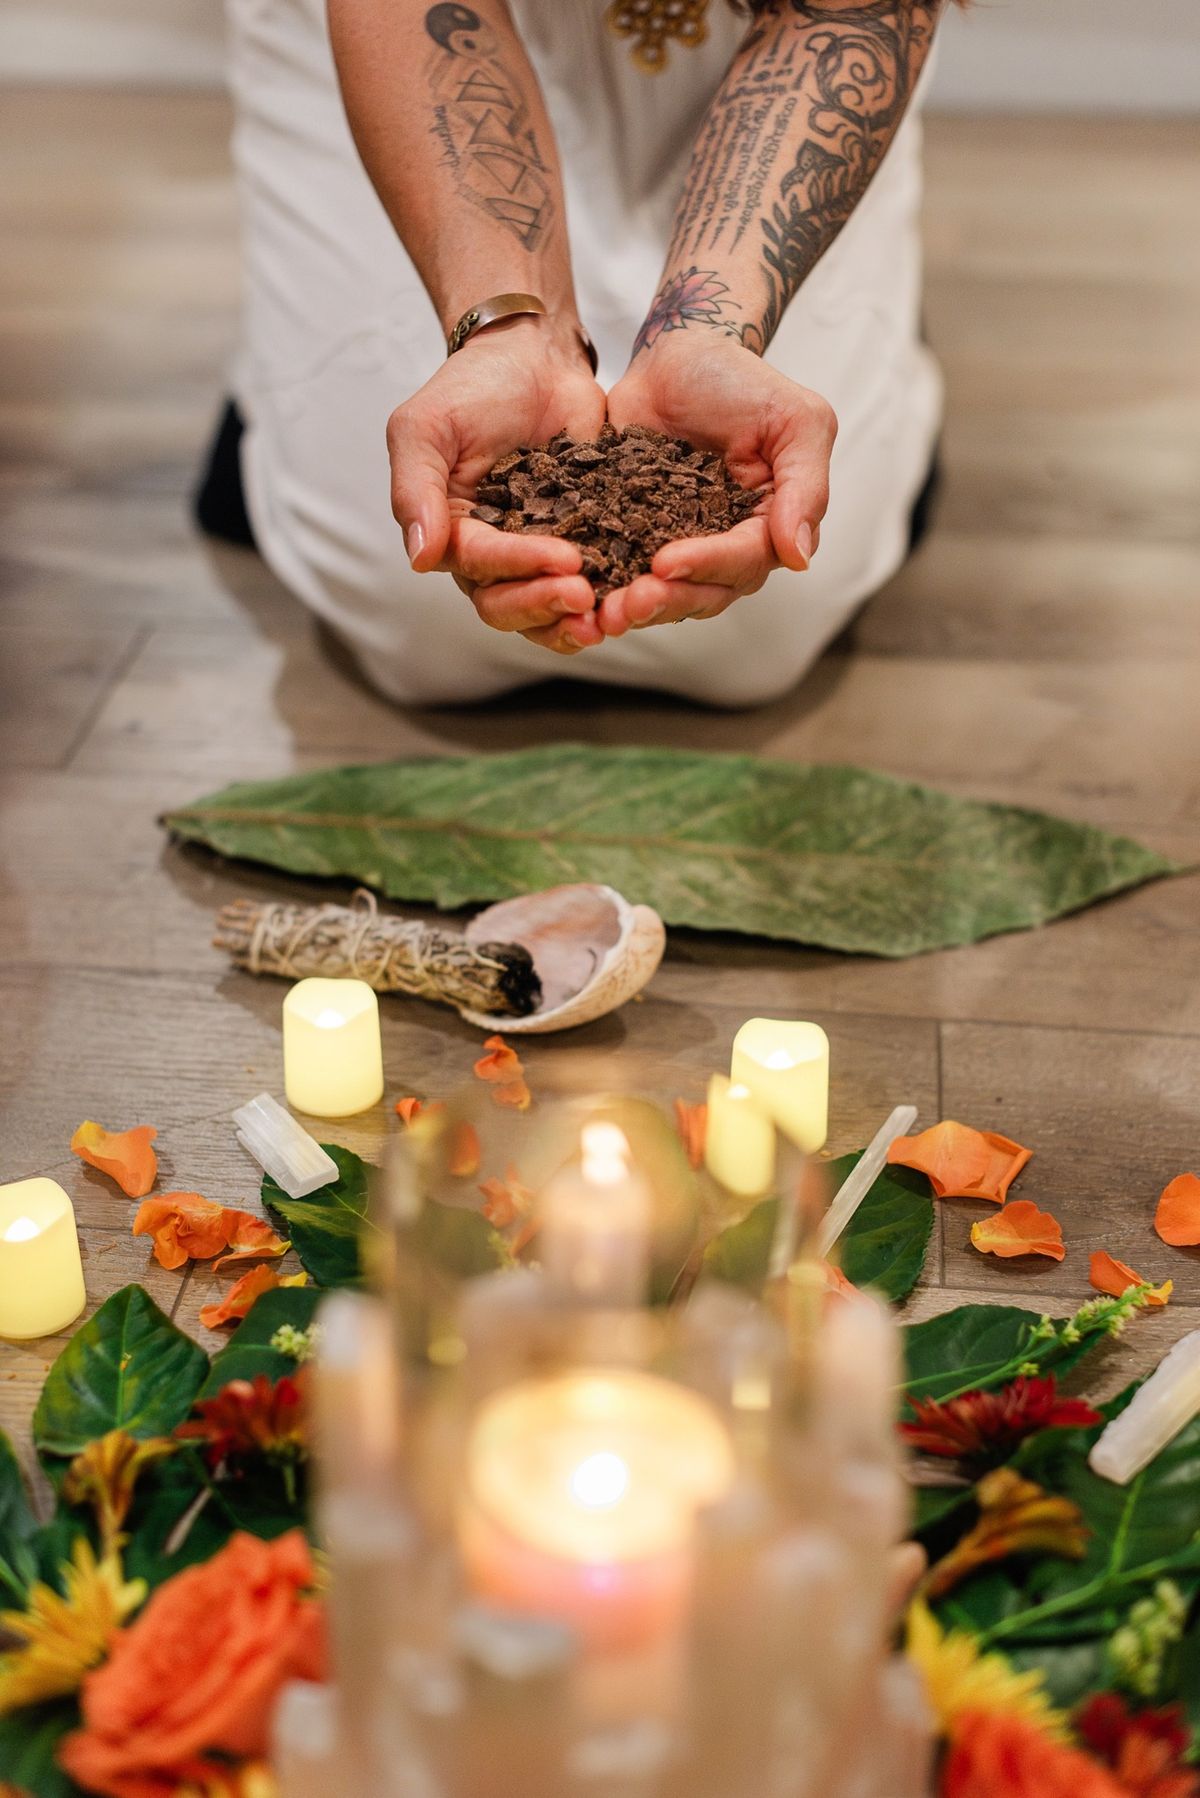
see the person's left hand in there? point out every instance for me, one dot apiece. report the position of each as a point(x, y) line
point(773, 433)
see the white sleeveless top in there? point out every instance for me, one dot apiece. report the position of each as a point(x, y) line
point(338, 330)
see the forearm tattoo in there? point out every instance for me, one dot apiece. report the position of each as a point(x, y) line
point(481, 119)
point(841, 76)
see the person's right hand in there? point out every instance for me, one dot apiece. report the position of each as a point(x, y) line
point(518, 382)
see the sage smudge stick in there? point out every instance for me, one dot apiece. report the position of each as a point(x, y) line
point(393, 955)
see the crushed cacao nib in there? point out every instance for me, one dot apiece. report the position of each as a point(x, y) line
point(620, 498)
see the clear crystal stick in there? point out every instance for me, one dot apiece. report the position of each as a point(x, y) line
point(862, 1178)
point(1161, 1408)
point(281, 1148)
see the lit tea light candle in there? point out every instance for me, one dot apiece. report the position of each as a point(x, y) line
point(583, 1491)
point(739, 1144)
point(332, 1050)
point(786, 1067)
point(41, 1274)
point(597, 1217)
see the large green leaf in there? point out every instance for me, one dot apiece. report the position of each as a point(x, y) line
point(883, 1246)
point(18, 1561)
point(326, 1226)
point(28, 1741)
point(248, 1351)
point(836, 856)
point(885, 1242)
point(983, 1346)
point(127, 1368)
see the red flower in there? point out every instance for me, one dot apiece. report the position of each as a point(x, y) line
point(985, 1427)
point(1145, 1749)
point(252, 1418)
point(1006, 1756)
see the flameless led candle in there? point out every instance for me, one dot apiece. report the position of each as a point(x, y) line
point(582, 1495)
point(786, 1067)
point(739, 1144)
point(41, 1274)
point(597, 1215)
point(332, 1052)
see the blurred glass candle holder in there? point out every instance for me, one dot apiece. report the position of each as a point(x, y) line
point(332, 1048)
point(41, 1274)
point(785, 1065)
point(582, 1492)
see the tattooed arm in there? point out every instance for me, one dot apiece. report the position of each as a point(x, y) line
point(786, 151)
point(450, 123)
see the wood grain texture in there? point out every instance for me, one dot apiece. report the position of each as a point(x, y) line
point(1040, 649)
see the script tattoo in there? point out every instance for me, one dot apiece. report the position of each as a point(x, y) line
point(481, 119)
point(790, 143)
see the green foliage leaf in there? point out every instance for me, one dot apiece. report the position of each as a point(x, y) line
point(885, 1242)
point(28, 1741)
point(127, 1368)
point(883, 1246)
point(835, 856)
point(18, 1525)
point(1058, 1614)
point(741, 1254)
point(248, 1351)
point(326, 1226)
point(970, 1346)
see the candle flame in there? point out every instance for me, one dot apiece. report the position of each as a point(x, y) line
point(328, 1019)
point(600, 1481)
point(605, 1154)
point(22, 1229)
point(779, 1058)
point(739, 1093)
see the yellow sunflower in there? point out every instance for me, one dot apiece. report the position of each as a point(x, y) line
point(959, 1678)
point(64, 1637)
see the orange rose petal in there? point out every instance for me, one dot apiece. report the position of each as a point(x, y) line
point(1020, 1229)
point(961, 1163)
point(1177, 1219)
point(247, 1237)
point(506, 1200)
point(124, 1155)
point(464, 1152)
point(837, 1286)
point(185, 1227)
point(145, 1733)
point(1107, 1274)
point(409, 1108)
point(502, 1070)
point(242, 1294)
point(691, 1121)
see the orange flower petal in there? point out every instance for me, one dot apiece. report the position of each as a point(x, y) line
point(1115, 1277)
point(506, 1200)
point(961, 1163)
point(242, 1294)
point(837, 1286)
point(247, 1237)
point(1177, 1219)
point(464, 1152)
point(501, 1068)
point(691, 1121)
point(408, 1109)
point(184, 1226)
point(1020, 1229)
point(125, 1155)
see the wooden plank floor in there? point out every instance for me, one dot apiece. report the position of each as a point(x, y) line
point(1042, 648)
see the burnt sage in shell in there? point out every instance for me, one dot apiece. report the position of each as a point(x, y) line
point(620, 498)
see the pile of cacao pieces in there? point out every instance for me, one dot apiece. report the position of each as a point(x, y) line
point(619, 497)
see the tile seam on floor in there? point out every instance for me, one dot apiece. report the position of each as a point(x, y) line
point(140, 636)
point(857, 1016)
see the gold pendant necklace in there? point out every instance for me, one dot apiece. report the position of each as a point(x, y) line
point(653, 24)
